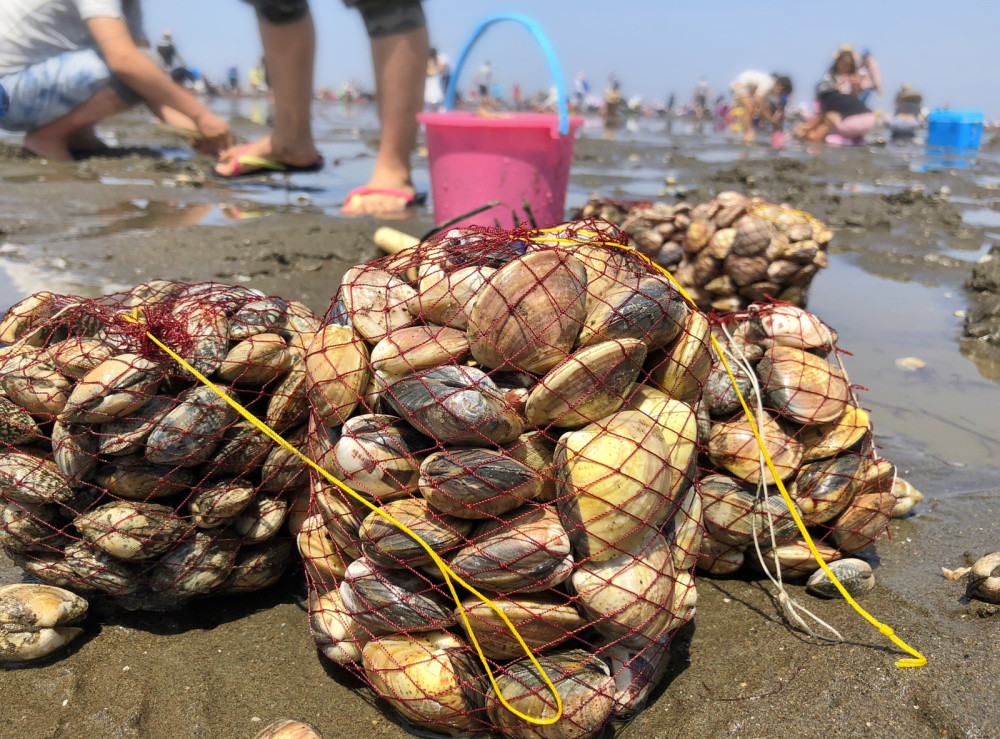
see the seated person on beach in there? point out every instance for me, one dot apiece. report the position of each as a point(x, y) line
point(843, 118)
point(907, 116)
point(762, 97)
point(69, 64)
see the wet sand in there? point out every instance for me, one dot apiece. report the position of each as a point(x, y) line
point(903, 250)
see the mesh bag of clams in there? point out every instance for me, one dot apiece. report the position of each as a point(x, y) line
point(120, 474)
point(729, 251)
point(525, 403)
point(787, 366)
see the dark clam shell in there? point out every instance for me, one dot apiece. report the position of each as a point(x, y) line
point(651, 310)
point(386, 545)
point(385, 601)
point(380, 454)
point(477, 483)
point(456, 405)
point(825, 488)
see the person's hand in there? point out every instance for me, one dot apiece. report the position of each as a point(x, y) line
point(215, 133)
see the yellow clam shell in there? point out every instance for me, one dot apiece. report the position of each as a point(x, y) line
point(336, 373)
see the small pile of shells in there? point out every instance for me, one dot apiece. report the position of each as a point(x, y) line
point(727, 252)
point(527, 408)
point(120, 474)
point(819, 439)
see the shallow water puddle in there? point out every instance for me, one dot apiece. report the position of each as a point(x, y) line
point(982, 217)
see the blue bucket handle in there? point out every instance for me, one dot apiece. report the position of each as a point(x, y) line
point(550, 54)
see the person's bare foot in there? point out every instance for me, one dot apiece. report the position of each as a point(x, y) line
point(300, 155)
point(380, 199)
point(56, 150)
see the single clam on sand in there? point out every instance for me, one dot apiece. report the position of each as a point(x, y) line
point(37, 620)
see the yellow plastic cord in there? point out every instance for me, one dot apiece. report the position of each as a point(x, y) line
point(446, 571)
point(919, 659)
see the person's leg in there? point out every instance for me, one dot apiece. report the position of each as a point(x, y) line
point(746, 102)
point(400, 63)
point(53, 140)
point(290, 50)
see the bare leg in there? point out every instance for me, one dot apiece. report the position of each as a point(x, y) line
point(400, 64)
point(746, 102)
point(290, 50)
point(52, 141)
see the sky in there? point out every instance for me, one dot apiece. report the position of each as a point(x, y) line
point(945, 50)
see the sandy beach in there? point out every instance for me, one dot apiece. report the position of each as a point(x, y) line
point(908, 232)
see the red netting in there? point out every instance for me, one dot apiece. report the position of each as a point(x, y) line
point(727, 252)
point(525, 402)
point(121, 474)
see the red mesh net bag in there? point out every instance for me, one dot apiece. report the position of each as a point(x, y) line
point(524, 402)
point(789, 370)
point(121, 474)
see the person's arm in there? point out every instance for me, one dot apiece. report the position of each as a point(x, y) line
point(144, 76)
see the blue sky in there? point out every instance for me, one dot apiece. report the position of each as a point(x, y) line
point(947, 50)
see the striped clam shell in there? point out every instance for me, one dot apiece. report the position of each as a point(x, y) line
point(258, 566)
point(386, 545)
point(131, 531)
point(116, 387)
point(476, 483)
point(385, 601)
point(854, 574)
point(190, 432)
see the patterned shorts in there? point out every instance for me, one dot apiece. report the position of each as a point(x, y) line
point(49, 90)
point(381, 17)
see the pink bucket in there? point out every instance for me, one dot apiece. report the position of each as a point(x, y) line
point(515, 158)
point(521, 160)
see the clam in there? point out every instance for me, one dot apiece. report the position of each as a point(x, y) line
point(719, 558)
point(258, 566)
point(721, 394)
point(431, 679)
point(336, 373)
point(257, 360)
point(31, 479)
point(528, 313)
point(385, 601)
point(85, 565)
point(195, 566)
point(584, 684)
point(651, 310)
point(282, 469)
point(26, 528)
point(906, 497)
point(445, 298)
point(38, 388)
point(325, 562)
point(789, 325)
point(134, 478)
point(678, 423)
point(188, 434)
point(684, 371)
point(876, 477)
point(794, 558)
point(854, 574)
point(76, 356)
point(589, 384)
point(628, 597)
point(535, 450)
point(823, 489)
point(127, 434)
point(984, 579)
point(220, 502)
point(803, 387)
point(74, 451)
point(16, 424)
point(684, 602)
point(24, 646)
point(456, 405)
point(380, 455)
point(863, 521)
point(376, 301)
point(243, 448)
point(22, 318)
point(258, 317)
point(636, 672)
point(476, 483)
point(829, 439)
point(524, 551)
point(688, 530)
point(28, 607)
point(131, 531)
point(287, 728)
point(542, 619)
point(733, 446)
point(728, 510)
point(152, 293)
point(114, 388)
point(289, 404)
point(337, 635)
point(612, 480)
point(207, 329)
point(418, 348)
point(300, 318)
point(341, 514)
point(387, 545)
point(262, 518)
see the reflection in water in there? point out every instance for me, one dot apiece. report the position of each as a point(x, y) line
point(129, 215)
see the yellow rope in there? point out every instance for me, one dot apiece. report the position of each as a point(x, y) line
point(446, 571)
point(919, 660)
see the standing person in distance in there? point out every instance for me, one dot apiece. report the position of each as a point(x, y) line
point(871, 77)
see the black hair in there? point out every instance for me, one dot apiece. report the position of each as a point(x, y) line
point(785, 81)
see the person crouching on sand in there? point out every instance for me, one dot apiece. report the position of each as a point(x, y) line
point(762, 97)
point(69, 64)
point(843, 117)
